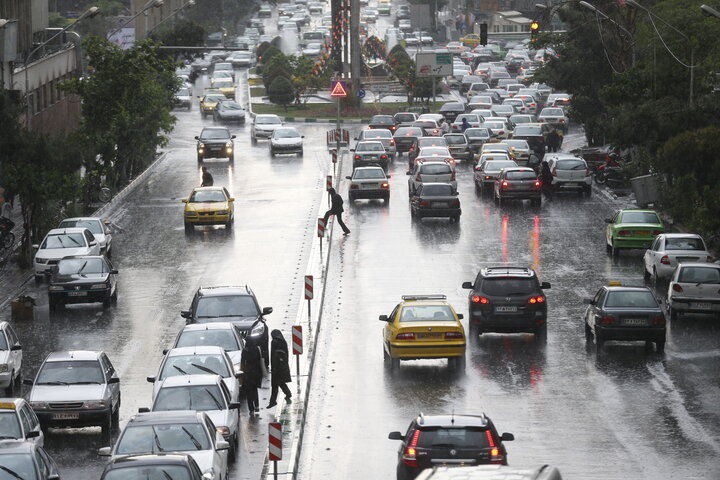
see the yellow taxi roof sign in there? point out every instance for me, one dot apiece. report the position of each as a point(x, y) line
point(7, 405)
point(614, 283)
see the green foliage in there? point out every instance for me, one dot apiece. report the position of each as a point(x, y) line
point(269, 53)
point(278, 64)
point(181, 32)
point(56, 20)
point(260, 51)
point(281, 91)
point(374, 47)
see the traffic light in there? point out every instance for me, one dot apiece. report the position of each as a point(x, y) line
point(483, 34)
point(534, 30)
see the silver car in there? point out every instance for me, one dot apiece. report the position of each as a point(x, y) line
point(10, 360)
point(381, 135)
point(370, 152)
point(369, 182)
point(286, 140)
point(555, 116)
point(217, 334)
point(486, 172)
point(263, 125)
point(60, 243)
point(459, 146)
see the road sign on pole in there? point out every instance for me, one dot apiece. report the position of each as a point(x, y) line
point(275, 441)
point(328, 182)
point(308, 287)
point(433, 64)
point(361, 93)
point(338, 89)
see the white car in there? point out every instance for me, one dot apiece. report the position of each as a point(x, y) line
point(455, 47)
point(18, 421)
point(179, 431)
point(442, 123)
point(263, 126)
point(381, 135)
point(430, 172)
point(10, 360)
point(203, 393)
point(473, 119)
point(217, 334)
point(60, 243)
point(498, 129)
point(99, 228)
point(569, 173)
point(554, 116)
point(669, 250)
point(313, 50)
point(694, 288)
point(369, 182)
point(211, 360)
point(286, 140)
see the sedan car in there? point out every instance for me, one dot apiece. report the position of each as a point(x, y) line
point(82, 279)
point(179, 432)
point(694, 288)
point(286, 140)
point(632, 228)
point(451, 110)
point(430, 172)
point(554, 116)
point(159, 466)
point(60, 243)
point(435, 200)
point(487, 171)
point(568, 173)
point(229, 111)
point(455, 48)
point(470, 40)
point(313, 49)
point(209, 206)
point(518, 183)
point(215, 142)
point(369, 182)
point(406, 137)
point(226, 86)
point(521, 152)
point(263, 126)
point(10, 359)
point(429, 127)
point(669, 250)
point(183, 98)
point(26, 461)
point(76, 388)
point(383, 121)
point(370, 152)
point(423, 327)
point(624, 313)
point(477, 137)
point(209, 101)
point(19, 422)
point(381, 135)
point(99, 228)
point(405, 119)
point(215, 334)
point(473, 119)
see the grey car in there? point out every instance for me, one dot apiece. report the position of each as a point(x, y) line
point(263, 125)
point(381, 135)
point(229, 111)
point(518, 183)
point(26, 460)
point(369, 182)
point(370, 152)
point(286, 140)
point(477, 137)
point(487, 172)
point(459, 146)
point(435, 200)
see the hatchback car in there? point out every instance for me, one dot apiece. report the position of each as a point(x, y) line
point(82, 279)
point(694, 288)
point(229, 111)
point(459, 146)
point(423, 327)
point(26, 461)
point(263, 125)
point(60, 243)
point(632, 228)
point(454, 439)
point(209, 206)
point(217, 334)
point(669, 250)
point(215, 142)
point(76, 388)
point(183, 98)
point(487, 171)
point(286, 140)
point(405, 119)
point(569, 173)
point(507, 299)
point(430, 172)
point(435, 200)
point(162, 466)
point(10, 360)
point(99, 228)
point(624, 313)
point(368, 153)
point(19, 422)
point(369, 182)
point(518, 183)
point(406, 137)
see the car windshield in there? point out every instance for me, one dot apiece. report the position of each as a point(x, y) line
point(214, 98)
point(518, 144)
point(474, 438)
point(639, 217)
point(370, 147)
point(423, 313)
point(496, 166)
point(180, 437)
point(477, 133)
point(455, 139)
point(9, 426)
point(312, 36)
point(212, 134)
point(209, 338)
point(369, 173)
point(208, 196)
point(508, 286)
point(198, 364)
point(684, 243)
point(637, 299)
point(521, 175)
point(434, 152)
point(436, 169)
point(149, 472)
point(64, 240)
point(70, 373)
point(437, 190)
point(190, 397)
point(286, 133)
point(93, 225)
point(699, 275)
point(377, 134)
point(405, 117)
point(409, 132)
point(20, 464)
point(3, 342)
point(552, 112)
point(230, 106)
point(266, 120)
point(72, 266)
point(528, 131)
point(227, 306)
point(570, 165)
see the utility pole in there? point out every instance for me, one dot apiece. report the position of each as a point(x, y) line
point(346, 43)
point(355, 52)
point(337, 16)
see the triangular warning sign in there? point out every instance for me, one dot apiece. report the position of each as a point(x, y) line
point(338, 90)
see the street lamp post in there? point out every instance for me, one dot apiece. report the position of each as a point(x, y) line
point(709, 11)
point(606, 17)
point(691, 66)
point(189, 3)
point(150, 4)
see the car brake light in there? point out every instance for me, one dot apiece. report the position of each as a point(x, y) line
point(392, 142)
point(562, 120)
point(554, 172)
point(424, 203)
point(538, 299)
point(354, 186)
point(479, 299)
point(607, 320)
point(665, 260)
point(455, 203)
point(624, 233)
point(383, 156)
point(436, 131)
point(450, 335)
point(504, 184)
point(658, 321)
point(657, 232)
point(409, 457)
point(495, 456)
point(677, 287)
point(385, 185)
point(357, 157)
point(405, 336)
point(537, 183)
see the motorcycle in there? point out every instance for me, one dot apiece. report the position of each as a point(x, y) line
point(600, 174)
point(611, 176)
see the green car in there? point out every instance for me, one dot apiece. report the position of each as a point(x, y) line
point(632, 228)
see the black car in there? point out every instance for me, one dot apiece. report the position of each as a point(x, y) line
point(160, 466)
point(624, 313)
point(383, 121)
point(406, 138)
point(82, 279)
point(435, 200)
point(451, 110)
point(215, 142)
point(534, 134)
point(507, 299)
point(436, 439)
point(237, 305)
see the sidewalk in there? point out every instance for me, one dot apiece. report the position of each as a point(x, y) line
point(12, 277)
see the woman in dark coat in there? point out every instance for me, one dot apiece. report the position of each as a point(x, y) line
point(280, 369)
point(252, 376)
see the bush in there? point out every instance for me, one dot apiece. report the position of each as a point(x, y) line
point(269, 53)
point(281, 91)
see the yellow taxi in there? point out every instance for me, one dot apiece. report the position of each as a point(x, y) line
point(422, 327)
point(208, 102)
point(18, 420)
point(470, 40)
point(226, 86)
point(209, 206)
point(498, 148)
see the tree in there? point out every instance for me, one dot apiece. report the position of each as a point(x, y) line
point(268, 54)
point(278, 64)
point(281, 91)
point(183, 32)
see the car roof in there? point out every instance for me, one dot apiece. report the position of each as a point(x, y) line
point(452, 420)
point(370, 167)
point(198, 327)
point(698, 264)
point(680, 235)
point(508, 270)
point(16, 446)
point(645, 210)
point(17, 402)
point(623, 288)
point(425, 299)
point(166, 417)
point(183, 380)
point(77, 219)
point(224, 291)
point(60, 231)
point(156, 459)
point(73, 355)
point(197, 350)
point(196, 189)
point(224, 129)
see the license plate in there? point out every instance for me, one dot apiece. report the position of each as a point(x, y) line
point(368, 186)
point(440, 205)
point(506, 309)
point(215, 148)
point(77, 294)
point(635, 321)
point(700, 306)
point(687, 259)
point(368, 157)
point(66, 416)
point(429, 335)
point(643, 233)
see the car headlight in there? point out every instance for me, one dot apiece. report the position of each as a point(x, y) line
point(99, 286)
point(223, 430)
point(95, 404)
point(3, 367)
point(257, 330)
point(55, 287)
point(201, 145)
point(228, 145)
point(41, 261)
point(39, 405)
point(221, 212)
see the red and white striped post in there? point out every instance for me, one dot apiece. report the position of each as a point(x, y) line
point(321, 231)
point(275, 444)
point(328, 186)
point(297, 347)
point(334, 154)
point(309, 292)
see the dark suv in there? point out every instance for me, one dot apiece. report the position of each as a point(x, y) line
point(507, 299)
point(215, 142)
point(449, 439)
point(232, 304)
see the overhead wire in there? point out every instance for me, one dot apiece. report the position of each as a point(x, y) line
point(602, 42)
point(662, 40)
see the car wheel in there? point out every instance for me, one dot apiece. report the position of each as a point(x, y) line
point(231, 158)
point(106, 301)
point(646, 274)
point(189, 107)
point(10, 390)
point(233, 448)
point(300, 153)
point(599, 342)
point(614, 251)
point(52, 304)
point(230, 223)
point(272, 152)
point(455, 218)
point(458, 363)
point(587, 191)
point(660, 346)
point(394, 364)
point(189, 227)
point(674, 314)
point(541, 334)
point(387, 199)
point(588, 333)
point(113, 298)
point(386, 357)
point(115, 420)
point(106, 426)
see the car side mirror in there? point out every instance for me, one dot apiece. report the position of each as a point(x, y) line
point(165, 350)
point(267, 310)
point(53, 476)
point(588, 301)
point(114, 272)
point(352, 149)
point(348, 177)
point(184, 200)
point(15, 348)
point(231, 199)
point(507, 437)
point(384, 318)
point(388, 176)
point(396, 436)
point(408, 172)
point(233, 136)
point(460, 316)
point(234, 405)
point(302, 136)
point(112, 380)
point(35, 246)
point(143, 410)
point(104, 451)
point(608, 220)
point(27, 381)
point(33, 434)
point(185, 314)
point(545, 285)
point(222, 445)
point(196, 137)
point(467, 285)
point(151, 379)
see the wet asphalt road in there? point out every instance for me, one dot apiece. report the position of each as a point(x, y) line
point(161, 267)
point(624, 414)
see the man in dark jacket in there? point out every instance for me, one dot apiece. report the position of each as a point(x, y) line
point(553, 141)
point(252, 376)
point(207, 178)
point(336, 208)
point(280, 373)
